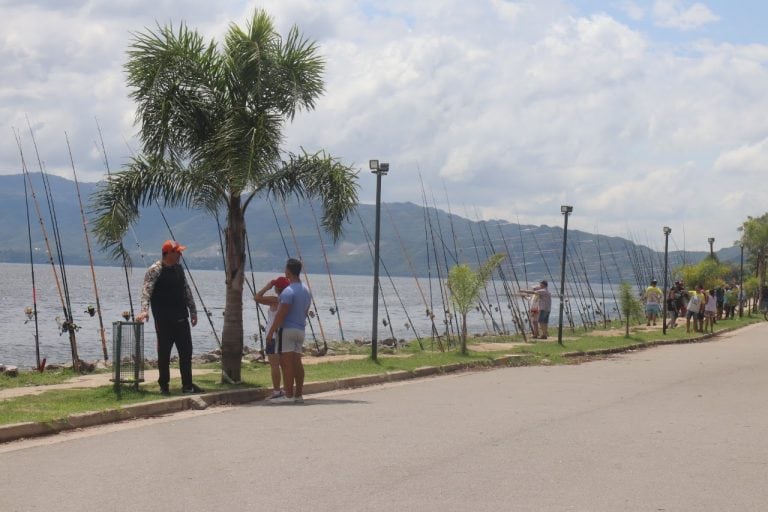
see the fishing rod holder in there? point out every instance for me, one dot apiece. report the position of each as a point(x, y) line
point(128, 354)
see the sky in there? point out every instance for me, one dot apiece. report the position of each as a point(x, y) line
point(638, 113)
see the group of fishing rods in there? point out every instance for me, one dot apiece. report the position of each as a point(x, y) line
point(587, 304)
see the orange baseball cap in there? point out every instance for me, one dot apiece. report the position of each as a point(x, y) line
point(172, 246)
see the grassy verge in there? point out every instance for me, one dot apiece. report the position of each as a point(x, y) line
point(58, 404)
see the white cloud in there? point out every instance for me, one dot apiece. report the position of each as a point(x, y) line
point(514, 107)
point(676, 14)
point(632, 9)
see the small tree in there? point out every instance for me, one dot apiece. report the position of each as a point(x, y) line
point(631, 308)
point(465, 285)
point(751, 291)
point(708, 273)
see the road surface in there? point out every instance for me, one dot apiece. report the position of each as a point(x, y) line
point(674, 428)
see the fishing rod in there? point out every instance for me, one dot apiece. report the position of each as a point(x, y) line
point(252, 287)
point(335, 310)
point(288, 255)
point(449, 311)
point(413, 273)
point(446, 312)
point(496, 327)
point(513, 304)
point(430, 309)
point(121, 247)
point(208, 313)
point(618, 274)
point(555, 288)
point(603, 275)
point(388, 321)
point(68, 325)
point(40, 366)
point(90, 252)
point(582, 303)
point(522, 250)
point(504, 281)
point(594, 305)
point(488, 253)
point(576, 292)
point(477, 255)
point(306, 278)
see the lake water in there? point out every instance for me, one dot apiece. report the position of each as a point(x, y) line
point(353, 296)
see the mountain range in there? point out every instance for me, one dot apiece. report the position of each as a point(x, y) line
point(414, 239)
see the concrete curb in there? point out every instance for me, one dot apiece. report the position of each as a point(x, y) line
point(240, 396)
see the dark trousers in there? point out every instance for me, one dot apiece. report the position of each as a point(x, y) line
point(169, 333)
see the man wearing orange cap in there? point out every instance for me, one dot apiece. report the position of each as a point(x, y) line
point(166, 289)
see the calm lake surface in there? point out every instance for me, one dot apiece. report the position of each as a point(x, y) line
point(353, 296)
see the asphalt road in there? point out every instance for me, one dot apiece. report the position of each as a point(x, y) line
point(676, 428)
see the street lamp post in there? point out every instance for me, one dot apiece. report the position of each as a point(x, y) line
point(711, 241)
point(741, 282)
point(667, 231)
point(565, 210)
point(379, 169)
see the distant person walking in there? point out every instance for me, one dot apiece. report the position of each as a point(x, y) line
point(272, 301)
point(289, 324)
point(173, 306)
point(544, 302)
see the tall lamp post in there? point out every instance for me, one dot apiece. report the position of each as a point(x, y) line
point(741, 282)
point(565, 210)
point(379, 169)
point(667, 231)
point(711, 252)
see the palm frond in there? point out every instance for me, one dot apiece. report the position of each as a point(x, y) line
point(317, 176)
point(143, 182)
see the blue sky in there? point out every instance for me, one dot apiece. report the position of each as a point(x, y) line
point(639, 113)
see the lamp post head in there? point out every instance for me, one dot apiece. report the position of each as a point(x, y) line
point(378, 168)
point(565, 210)
point(667, 230)
point(711, 240)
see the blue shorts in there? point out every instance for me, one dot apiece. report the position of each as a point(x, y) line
point(543, 317)
point(652, 309)
point(270, 347)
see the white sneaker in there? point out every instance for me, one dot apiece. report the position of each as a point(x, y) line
point(298, 399)
point(281, 400)
point(276, 394)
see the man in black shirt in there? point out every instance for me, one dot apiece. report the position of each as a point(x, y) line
point(166, 289)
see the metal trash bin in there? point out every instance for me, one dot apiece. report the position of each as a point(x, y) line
point(127, 354)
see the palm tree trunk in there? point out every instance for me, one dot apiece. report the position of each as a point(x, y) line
point(232, 333)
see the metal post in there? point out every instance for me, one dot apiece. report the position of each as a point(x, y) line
point(565, 210)
point(667, 231)
point(711, 251)
point(741, 283)
point(378, 170)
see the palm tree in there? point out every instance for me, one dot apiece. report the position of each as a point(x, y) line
point(465, 286)
point(211, 121)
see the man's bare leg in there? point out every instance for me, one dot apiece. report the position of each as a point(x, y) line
point(299, 373)
point(286, 363)
point(274, 367)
